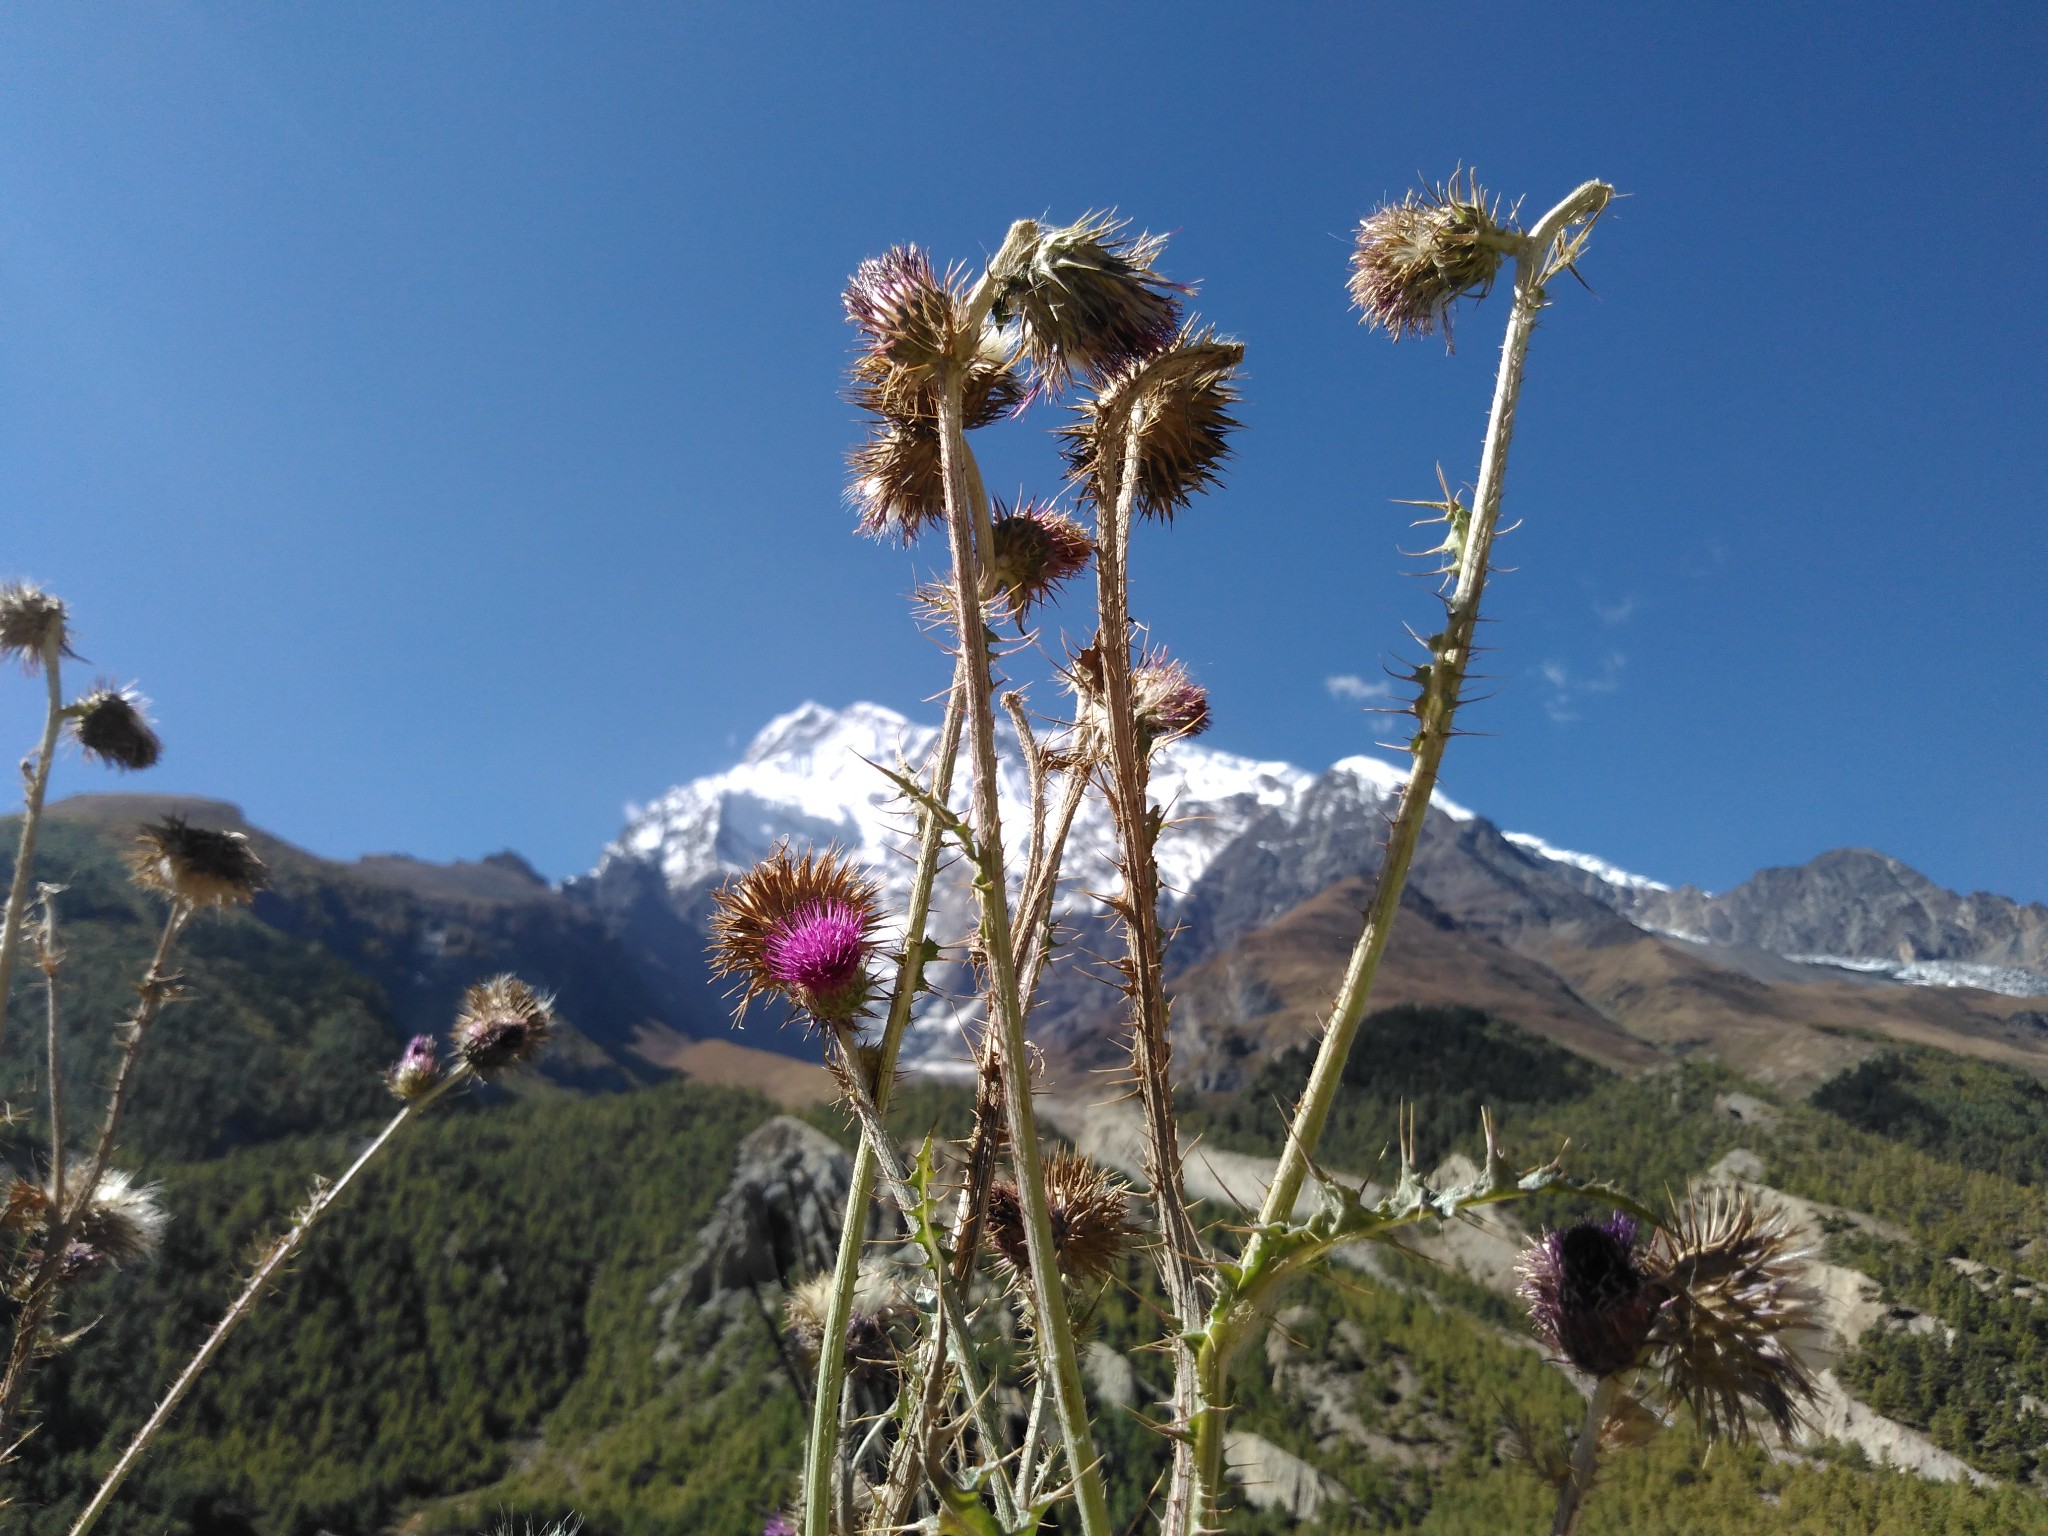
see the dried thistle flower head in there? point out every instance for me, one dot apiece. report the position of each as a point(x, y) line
point(898, 483)
point(122, 1223)
point(801, 929)
point(1735, 1297)
point(910, 318)
point(1178, 404)
point(1416, 258)
point(879, 1303)
point(1090, 1210)
point(1036, 550)
point(198, 866)
point(418, 1070)
point(109, 724)
point(30, 620)
point(1086, 299)
point(990, 387)
point(1587, 1296)
point(503, 1023)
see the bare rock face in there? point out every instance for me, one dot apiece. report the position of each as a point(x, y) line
point(778, 1220)
point(1854, 902)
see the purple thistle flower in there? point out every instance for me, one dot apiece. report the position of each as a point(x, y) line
point(778, 1524)
point(1586, 1295)
point(817, 952)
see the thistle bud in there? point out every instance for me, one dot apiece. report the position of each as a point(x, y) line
point(1178, 403)
point(30, 619)
point(1086, 299)
point(121, 1223)
point(503, 1023)
point(1416, 258)
point(417, 1071)
point(109, 724)
point(1088, 1208)
point(802, 929)
point(198, 866)
point(1036, 551)
point(1587, 1297)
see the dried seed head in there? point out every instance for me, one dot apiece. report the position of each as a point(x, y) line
point(1166, 704)
point(802, 929)
point(109, 724)
point(1416, 258)
point(1037, 549)
point(122, 1223)
point(910, 319)
point(1735, 1300)
point(418, 1070)
point(1086, 299)
point(1090, 1212)
point(30, 620)
point(898, 483)
point(198, 866)
point(503, 1023)
point(1587, 1296)
point(1178, 403)
point(879, 1304)
point(990, 387)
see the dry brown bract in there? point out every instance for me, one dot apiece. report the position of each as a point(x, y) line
point(1416, 258)
point(1178, 403)
point(29, 619)
point(198, 866)
point(1735, 1300)
point(1090, 1209)
point(109, 724)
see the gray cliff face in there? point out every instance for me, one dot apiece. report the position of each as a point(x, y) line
point(1853, 902)
point(778, 1220)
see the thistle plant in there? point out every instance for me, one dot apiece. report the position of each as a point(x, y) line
point(81, 1214)
point(1082, 316)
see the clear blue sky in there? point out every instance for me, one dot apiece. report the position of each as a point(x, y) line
point(437, 407)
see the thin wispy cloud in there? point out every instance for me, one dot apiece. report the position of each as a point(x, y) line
point(1616, 613)
point(1569, 689)
point(1354, 689)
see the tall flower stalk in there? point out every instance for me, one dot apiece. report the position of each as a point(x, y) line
point(822, 1448)
point(33, 632)
point(1405, 284)
point(969, 533)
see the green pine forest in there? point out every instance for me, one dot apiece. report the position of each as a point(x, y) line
point(480, 1332)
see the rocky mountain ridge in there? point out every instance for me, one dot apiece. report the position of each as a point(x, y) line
point(1252, 841)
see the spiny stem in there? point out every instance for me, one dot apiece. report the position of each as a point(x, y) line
point(853, 1227)
point(902, 1191)
point(154, 989)
point(50, 960)
point(280, 1252)
point(1571, 1493)
point(1435, 710)
point(1128, 772)
point(1006, 1015)
point(31, 817)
